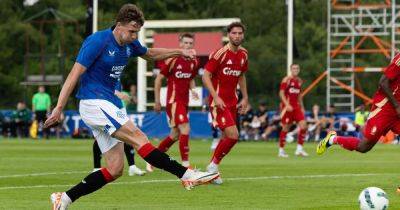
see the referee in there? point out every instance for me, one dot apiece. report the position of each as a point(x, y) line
point(41, 103)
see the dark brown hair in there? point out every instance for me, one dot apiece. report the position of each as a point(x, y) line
point(235, 24)
point(130, 12)
point(187, 35)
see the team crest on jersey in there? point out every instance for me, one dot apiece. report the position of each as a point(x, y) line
point(111, 53)
point(181, 117)
point(223, 120)
point(229, 62)
point(373, 131)
point(128, 51)
point(179, 66)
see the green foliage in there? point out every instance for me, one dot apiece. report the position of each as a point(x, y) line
point(265, 40)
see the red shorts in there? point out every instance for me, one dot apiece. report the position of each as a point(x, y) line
point(296, 115)
point(177, 114)
point(223, 118)
point(382, 118)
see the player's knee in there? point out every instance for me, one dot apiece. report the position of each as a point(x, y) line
point(232, 133)
point(184, 129)
point(137, 139)
point(116, 170)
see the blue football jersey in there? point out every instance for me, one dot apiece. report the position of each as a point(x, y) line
point(105, 61)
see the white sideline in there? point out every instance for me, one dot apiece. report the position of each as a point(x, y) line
point(176, 180)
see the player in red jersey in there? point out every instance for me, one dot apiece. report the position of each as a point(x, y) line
point(223, 72)
point(180, 73)
point(384, 115)
point(292, 110)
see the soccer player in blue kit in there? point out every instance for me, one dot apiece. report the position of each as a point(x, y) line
point(99, 65)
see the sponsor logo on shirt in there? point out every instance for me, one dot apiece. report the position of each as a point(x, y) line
point(179, 67)
point(128, 51)
point(182, 75)
point(230, 72)
point(294, 90)
point(116, 71)
point(229, 62)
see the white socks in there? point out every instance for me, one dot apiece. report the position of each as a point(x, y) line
point(188, 174)
point(185, 164)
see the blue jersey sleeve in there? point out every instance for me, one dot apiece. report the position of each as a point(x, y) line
point(90, 50)
point(137, 49)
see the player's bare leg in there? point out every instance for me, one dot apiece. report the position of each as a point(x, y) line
point(228, 140)
point(130, 134)
point(282, 140)
point(347, 142)
point(301, 136)
point(114, 159)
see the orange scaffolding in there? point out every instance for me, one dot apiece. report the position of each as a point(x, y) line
point(358, 30)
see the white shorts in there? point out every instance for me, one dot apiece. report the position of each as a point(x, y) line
point(104, 118)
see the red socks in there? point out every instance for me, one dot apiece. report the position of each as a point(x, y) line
point(302, 136)
point(223, 148)
point(184, 147)
point(347, 142)
point(282, 139)
point(166, 144)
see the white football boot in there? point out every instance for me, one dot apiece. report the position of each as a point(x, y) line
point(134, 170)
point(194, 178)
point(282, 153)
point(213, 168)
point(60, 201)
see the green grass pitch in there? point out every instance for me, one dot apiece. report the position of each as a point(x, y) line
point(254, 178)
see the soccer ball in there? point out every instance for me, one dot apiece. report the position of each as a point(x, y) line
point(373, 198)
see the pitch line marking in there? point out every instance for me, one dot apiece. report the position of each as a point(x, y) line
point(228, 179)
point(42, 174)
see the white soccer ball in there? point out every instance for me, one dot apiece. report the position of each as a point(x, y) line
point(373, 198)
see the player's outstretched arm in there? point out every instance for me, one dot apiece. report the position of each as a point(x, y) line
point(208, 84)
point(384, 84)
point(157, 88)
point(66, 90)
point(163, 53)
point(243, 104)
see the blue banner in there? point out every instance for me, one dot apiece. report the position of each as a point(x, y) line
point(151, 123)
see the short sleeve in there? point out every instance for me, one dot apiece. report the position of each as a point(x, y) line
point(165, 67)
point(48, 101)
point(283, 85)
point(34, 100)
point(212, 64)
point(392, 71)
point(90, 50)
point(137, 49)
point(245, 66)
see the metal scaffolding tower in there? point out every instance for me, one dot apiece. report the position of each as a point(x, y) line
point(353, 27)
